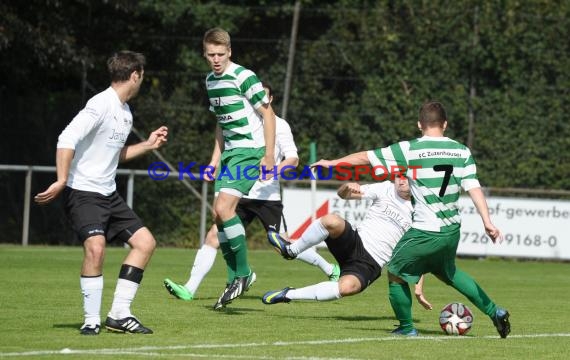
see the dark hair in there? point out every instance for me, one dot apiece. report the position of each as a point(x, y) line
point(268, 87)
point(432, 114)
point(122, 64)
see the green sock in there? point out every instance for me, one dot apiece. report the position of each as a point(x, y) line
point(401, 301)
point(235, 232)
point(465, 284)
point(229, 256)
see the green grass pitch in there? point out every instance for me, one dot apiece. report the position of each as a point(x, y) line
point(41, 311)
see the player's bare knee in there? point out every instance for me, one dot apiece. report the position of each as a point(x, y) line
point(334, 224)
point(95, 253)
point(151, 244)
point(349, 285)
point(148, 244)
point(212, 238)
point(223, 208)
point(95, 248)
point(222, 213)
point(395, 279)
point(143, 241)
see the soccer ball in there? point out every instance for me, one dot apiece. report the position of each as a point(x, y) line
point(456, 319)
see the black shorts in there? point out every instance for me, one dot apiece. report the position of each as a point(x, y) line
point(353, 258)
point(269, 212)
point(94, 214)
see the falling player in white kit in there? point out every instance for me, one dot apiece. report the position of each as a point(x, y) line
point(361, 252)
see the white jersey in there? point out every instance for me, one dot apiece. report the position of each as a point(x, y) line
point(285, 148)
point(97, 134)
point(386, 221)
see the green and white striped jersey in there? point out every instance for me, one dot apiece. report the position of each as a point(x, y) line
point(437, 168)
point(234, 96)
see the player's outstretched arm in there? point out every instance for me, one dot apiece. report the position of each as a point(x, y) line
point(419, 292)
point(210, 173)
point(287, 163)
point(359, 158)
point(63, 158)
point(268, 161)
point(156, 139)
point(350, 191)
point(480, 203)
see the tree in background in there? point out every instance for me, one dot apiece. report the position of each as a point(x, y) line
point(361, 71)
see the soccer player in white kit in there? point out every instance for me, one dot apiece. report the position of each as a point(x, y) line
point(361, 252)
point(88, 152)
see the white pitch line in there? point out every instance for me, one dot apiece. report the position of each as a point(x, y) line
point(145, 350)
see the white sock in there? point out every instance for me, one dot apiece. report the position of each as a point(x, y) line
point(311, 257)
point(324, 291)
point(92, 290)
point(203, 262)
point(124, 294)
point(314, 234)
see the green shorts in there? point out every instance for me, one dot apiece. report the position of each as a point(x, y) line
point(420, 252)
point(239, 169)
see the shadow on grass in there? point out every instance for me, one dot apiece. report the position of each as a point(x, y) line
point(332, 317)
point(67, 326)
point(388, 332)
point(232, 310)
point(215, 298)
point(360, 318)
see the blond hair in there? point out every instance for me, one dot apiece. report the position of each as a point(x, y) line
point(217, 36)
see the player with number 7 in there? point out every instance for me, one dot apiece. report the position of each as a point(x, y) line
point(430, 245)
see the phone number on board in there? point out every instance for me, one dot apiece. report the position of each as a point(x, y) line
point(511, 239)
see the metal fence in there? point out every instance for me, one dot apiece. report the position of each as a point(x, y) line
point(130, 173)
point(202, 196)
